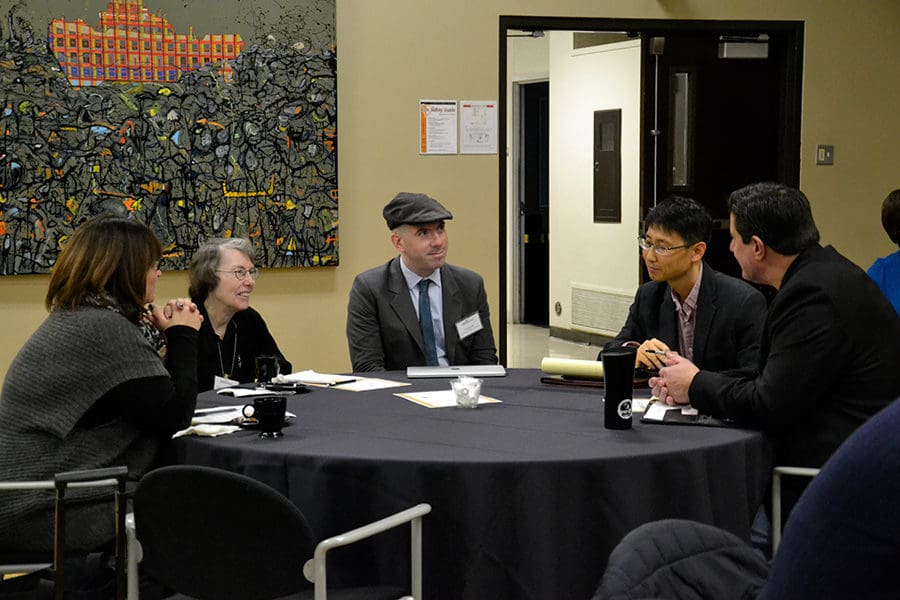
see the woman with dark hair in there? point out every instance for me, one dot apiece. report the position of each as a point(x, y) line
point(89, 389)
point(885, 272)
point(233, 335)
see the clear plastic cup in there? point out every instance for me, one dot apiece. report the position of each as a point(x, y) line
point(467, 391)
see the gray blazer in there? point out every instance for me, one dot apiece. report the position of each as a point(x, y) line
point(383, 329)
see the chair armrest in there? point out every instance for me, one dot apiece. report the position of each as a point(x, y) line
point(799, 471)
point(314, 569)
point(92, 477)
point(777, 473)
point(376, 527)
point(12, 486)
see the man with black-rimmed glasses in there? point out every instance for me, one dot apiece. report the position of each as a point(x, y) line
point(711, 318)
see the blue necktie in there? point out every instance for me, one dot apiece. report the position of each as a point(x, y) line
point(426, 324)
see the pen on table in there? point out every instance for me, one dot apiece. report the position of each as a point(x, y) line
point(341, 382)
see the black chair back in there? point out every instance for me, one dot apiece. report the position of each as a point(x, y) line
point(215, 534)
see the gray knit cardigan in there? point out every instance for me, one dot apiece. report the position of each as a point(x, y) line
point(72, 360)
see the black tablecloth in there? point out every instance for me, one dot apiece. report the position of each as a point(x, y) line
point(529, 496)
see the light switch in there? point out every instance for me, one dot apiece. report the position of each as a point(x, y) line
point(824, 155)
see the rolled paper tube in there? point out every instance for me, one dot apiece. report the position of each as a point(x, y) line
point(584, 369)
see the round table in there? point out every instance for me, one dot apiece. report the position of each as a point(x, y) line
point(529, 495)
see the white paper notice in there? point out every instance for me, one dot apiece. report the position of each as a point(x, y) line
point(437, 127)
point(478, 127)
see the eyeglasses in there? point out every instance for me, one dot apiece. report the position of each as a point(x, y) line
point(657, 249)
point(241, 273)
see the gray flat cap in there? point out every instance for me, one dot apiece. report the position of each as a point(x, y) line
point(409, 208)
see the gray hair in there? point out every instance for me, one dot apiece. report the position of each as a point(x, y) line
point(203, 277)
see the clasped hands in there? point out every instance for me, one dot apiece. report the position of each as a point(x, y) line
point(675, 372)
point(177, 311)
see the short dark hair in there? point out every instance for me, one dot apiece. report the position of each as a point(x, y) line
point(890, 216)
point(107, 257)
point(683, 216)
point(776, 213)
point(203, 277)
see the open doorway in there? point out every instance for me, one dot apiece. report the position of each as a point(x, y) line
point(717, 106)
point(533, 194)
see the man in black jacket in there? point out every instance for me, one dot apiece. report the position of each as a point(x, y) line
point(829, 350)
point(714, 320)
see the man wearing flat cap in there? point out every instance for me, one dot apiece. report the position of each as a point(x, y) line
point(417, 310)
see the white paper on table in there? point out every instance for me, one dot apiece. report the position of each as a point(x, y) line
point(657, 411)
point(440, 399)
point(219, 415)
point(312, 378)
point(224, 415)
point(639, 405)
point(244, 392)
point(365, 384)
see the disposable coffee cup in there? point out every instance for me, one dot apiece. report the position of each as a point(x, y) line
point(618, 384)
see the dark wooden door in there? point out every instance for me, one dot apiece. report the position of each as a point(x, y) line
point(721, 122)
point(535, 202)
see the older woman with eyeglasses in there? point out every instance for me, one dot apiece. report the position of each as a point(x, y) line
point(233, 335)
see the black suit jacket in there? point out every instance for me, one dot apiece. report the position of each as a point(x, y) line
point(829, 361)
point(728, 326)
point(246, 337)
point(383, 330)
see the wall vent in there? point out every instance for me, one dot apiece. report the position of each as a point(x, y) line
point(601, 310)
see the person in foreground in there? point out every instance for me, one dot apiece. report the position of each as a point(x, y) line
point(842, 539)
point(712, 319)
point(89, 389)
point(885, 271)
point(384, 330)
point(233, 335)
point(830, 346)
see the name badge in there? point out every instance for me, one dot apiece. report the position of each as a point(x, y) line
point(224, 382)
point(469, 325)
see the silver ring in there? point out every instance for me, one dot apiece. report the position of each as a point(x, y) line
point(180, 305)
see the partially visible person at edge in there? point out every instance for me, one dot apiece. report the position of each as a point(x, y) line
point(390, 325)
point(828, 358)
point(885, 272)
point(89, 389)
point(714, 320)
point(233, 335)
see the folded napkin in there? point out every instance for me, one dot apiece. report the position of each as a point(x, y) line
point(207, 430)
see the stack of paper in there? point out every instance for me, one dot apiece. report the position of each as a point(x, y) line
point(313, 378)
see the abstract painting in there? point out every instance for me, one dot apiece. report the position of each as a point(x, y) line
point(222, 124)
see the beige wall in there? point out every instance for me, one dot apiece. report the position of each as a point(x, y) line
point(583, 81)
point(393, 52)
